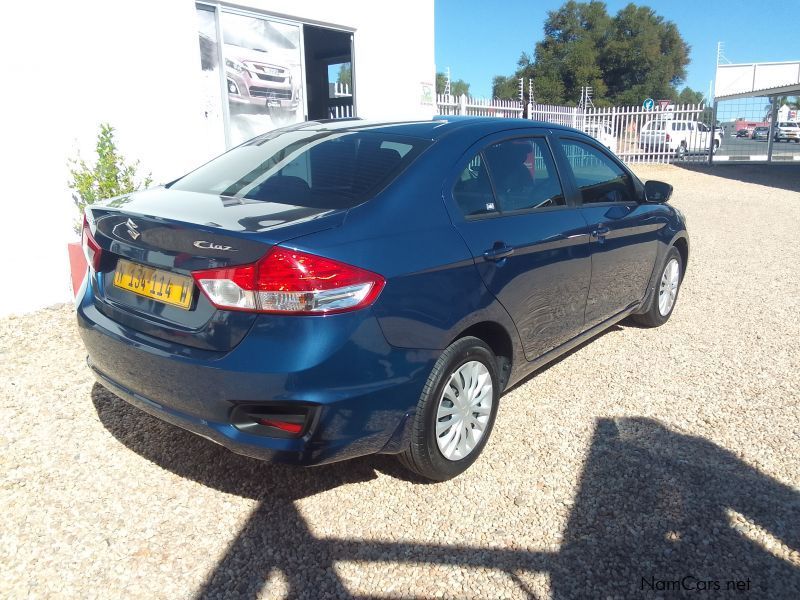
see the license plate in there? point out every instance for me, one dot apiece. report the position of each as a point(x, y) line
point(166, 287)
point(273, 103)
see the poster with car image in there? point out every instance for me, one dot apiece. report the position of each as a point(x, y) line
point(263, 76)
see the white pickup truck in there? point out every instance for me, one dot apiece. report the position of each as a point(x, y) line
point(788, 131)
point(679, 137)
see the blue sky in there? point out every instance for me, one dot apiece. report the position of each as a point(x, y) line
point(478, 39)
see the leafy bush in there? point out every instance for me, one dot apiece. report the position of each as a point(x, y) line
point(109, 176)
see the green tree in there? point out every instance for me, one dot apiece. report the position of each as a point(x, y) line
point(790, 101)
point(505, 88)
point(634, 55)
point(569, 55)
point(345, 74)
point(644, 57)
point(110, 175)
point(457, 87)
point(689, 96)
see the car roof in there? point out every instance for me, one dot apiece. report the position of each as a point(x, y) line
point(434, 129)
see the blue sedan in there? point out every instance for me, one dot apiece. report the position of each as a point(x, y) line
point(336, 289)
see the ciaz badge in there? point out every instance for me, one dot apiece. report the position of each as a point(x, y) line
point(212, 246)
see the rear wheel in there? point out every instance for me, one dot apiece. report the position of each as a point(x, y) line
point(455, 412)
point(680, 153)
point(663, 300)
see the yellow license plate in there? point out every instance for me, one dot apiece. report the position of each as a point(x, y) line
point(166, 287)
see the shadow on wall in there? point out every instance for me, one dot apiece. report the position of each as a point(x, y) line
point(683, 502)
point(784, 176)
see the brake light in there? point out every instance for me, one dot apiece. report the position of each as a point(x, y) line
point(669, 139)
point(91, 249)
point(291, 282)
point(293, 428)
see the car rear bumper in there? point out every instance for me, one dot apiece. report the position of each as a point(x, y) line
point(359, 389)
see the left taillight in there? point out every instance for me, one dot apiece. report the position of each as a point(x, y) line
point(91, 249)
point(288, 281)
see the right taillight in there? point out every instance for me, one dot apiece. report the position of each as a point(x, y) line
point(91, 249)
point(291, 282)
point(669, 139)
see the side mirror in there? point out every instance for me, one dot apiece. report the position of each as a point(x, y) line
point(657, 191)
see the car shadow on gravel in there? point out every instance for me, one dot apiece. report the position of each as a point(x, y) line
point(656, 512)
point(777, 175)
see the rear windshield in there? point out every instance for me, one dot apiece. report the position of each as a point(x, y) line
point(315, 169)
point(654, 126)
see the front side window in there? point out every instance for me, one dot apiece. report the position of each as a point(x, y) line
point(598, 177)
point(309, 168)
point(524, 175)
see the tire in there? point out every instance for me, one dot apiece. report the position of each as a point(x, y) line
point(424, 455)
point(680, 153)
point(655, 314)
point(715, 147)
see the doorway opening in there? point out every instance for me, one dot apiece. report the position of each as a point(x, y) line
point(329, 73)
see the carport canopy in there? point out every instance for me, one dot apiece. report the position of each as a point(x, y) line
point(750, 80)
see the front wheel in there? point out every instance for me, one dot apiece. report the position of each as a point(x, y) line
point(663, 300)
point(455, 412)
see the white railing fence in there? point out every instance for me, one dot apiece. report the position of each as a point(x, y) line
point(478, 107)
point(340, 101)
point(657, 135)
point(635, 134)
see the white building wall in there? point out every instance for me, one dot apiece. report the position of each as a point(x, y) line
point(67, 67)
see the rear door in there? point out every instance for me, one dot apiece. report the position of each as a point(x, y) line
point(624, 233)
point(530, 245)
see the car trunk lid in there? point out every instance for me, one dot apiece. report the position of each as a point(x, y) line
point(159, 237)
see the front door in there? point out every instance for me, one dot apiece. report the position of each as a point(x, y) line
point(624, 232)
point(530, 245)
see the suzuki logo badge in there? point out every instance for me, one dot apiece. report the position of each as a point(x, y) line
point(132, 229)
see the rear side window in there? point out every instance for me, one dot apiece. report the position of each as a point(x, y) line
point(315, 169)
point(524, 175)
point(598, 177)
point(473, 190)
point(509, 176)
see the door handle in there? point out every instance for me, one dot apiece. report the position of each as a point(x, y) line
point(600, 232)
point(499, 252)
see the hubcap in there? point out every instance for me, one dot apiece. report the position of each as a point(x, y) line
point(464, 409)
point(668, 290)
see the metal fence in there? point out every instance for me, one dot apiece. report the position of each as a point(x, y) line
point(758, 129)
point(661, 134)
point(340, 101)
point(478, 107)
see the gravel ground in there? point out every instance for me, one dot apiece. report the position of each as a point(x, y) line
point(641, 458)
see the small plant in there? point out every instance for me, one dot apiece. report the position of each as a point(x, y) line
point(110, 175)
